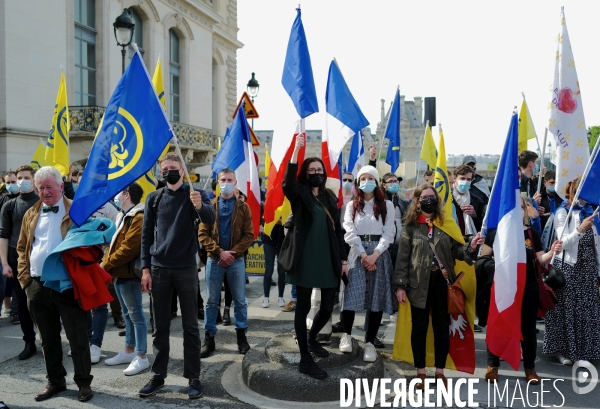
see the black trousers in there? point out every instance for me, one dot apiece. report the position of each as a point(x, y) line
point(302, 310)
point(19, 294)
point(48, 308)
point(529, 312)
point(437, 303)
point(185, 282)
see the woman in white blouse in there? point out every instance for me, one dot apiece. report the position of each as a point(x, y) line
point(369, 225)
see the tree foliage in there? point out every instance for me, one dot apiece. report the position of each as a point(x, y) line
point(593, 132)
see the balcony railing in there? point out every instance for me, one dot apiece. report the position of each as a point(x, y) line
point(87, 119)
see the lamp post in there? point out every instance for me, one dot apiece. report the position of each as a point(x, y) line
point(252, 89)
point(123, 27)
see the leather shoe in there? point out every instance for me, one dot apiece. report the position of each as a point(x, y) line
point(85, 393)
point(422, 377)
point(377, 343)
point(443, 378)
point(491, 375)
point(119, 323)
point(50, 391)
point(29, 351)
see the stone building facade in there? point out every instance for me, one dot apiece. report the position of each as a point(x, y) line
point(196, 41)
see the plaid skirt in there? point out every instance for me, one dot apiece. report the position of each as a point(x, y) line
point(368, 290)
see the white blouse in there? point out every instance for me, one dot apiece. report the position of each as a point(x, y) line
point(365, 223)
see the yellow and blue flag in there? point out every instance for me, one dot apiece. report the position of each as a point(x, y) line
point(39, 159)
point(132, 136)
point(429, 152)
point(392, 132)
point(57, 149)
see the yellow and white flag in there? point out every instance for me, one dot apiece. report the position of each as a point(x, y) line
point(57, 149)
point(567, 122)
point(39, 159)
point(526, 129)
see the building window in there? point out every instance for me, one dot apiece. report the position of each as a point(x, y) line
point(174, 69)
point(85, 52)
point(417, 141)
point(138, 32)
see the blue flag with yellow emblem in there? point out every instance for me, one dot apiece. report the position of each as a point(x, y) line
point(131, 137)
point(392, 132)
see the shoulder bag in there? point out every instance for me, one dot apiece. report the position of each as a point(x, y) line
point(547, 299)
point(456, 294)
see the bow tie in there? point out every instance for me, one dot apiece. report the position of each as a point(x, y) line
point(53, 209)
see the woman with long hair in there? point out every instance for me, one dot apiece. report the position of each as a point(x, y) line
point(573, 327)
point(369, 225)
point(318, 252)
point(531, 296)
point(422, 274)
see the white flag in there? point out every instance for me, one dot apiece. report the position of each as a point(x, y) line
point(567, 122)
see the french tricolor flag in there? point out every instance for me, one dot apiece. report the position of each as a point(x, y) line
point(236, 153)
point(504, 213)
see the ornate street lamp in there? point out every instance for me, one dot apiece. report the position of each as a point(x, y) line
point(124, 27)
point(252, 88)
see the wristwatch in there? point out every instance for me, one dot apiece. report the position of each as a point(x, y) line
point(580, 230)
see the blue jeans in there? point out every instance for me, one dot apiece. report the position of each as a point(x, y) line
point(96, 324)
point(294, 297)
point(270, 253)
point(236, 277)
point(129, 293)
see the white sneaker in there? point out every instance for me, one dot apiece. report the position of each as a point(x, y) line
point(121, 358)
point(265, 303)
point(281, 302)
point(370, 354)
point(95, 352)
point(394, 317)
point(564, 360)
point(137, 365)
point(583, 363)
point(346, 343)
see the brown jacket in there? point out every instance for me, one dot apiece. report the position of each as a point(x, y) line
point(126, 244)
point(242, 230)
point(27, 236)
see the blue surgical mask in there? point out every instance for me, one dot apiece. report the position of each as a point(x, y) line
point(118, 203)
point(347, 185)
point(367, 186)
point(12, 189)
point(393, 188)
point(551, 189)
point(226, 188)
point(463, 186)
point(24, 185)
point(75, 187)
point(537, 169)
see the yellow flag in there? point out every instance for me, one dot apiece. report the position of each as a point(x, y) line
point(402, 345)
point(39, 159)
point(57, 150)
point(526, 129)
point(267, 165)
point(428, 152)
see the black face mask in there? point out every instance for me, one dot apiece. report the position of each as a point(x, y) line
point(171, 176)
point(429, 205)
point(316, 179)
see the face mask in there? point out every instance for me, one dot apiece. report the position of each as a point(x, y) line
point(429, 205)
point(75, 187)
point(463, 186)
point(347, 185)
point(226, 188)
point(316, 179)
point(550, 189)
point(393, 188)
point(118, 202)
point(537, 169)
point(12, 189)
point(171, 176)
point(24, 185)
point(367, 186)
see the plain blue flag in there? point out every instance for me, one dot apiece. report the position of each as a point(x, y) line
point(392, 132)
point(132, 135)
point(232, 155)
point(590, 191)
point(297, 78)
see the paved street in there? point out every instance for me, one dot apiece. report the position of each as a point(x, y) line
point(20, 381)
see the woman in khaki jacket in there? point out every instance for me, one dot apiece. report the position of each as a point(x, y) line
point(419, 275)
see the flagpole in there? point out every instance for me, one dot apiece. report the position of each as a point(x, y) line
point(542, 161)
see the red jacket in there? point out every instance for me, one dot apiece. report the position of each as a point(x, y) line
point(88, 278)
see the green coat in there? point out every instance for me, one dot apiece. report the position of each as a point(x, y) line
point(413, 265)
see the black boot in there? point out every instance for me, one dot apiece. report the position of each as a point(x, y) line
point(309, 367)
point(208, 347)
point(316, 348)
point(29, 350)
point(242, 342)
point(226, 316)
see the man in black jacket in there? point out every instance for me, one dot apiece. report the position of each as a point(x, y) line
point(169, 248)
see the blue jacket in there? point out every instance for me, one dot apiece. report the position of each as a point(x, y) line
point(92, 232)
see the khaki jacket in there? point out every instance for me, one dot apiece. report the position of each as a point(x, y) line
point(27, 236)
point(413, 265)
point(126, 244)
point(242, 230)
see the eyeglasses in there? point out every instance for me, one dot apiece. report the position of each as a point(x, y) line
point(312, 171)
point(347, 180)
point(423, 198)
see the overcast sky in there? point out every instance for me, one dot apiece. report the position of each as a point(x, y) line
point(475, 57)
